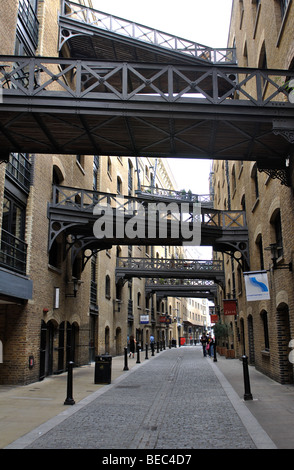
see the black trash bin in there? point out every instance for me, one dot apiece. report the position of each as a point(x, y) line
point(103, 369)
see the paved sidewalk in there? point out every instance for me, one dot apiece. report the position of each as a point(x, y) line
point(29, 413)
point(24, 408)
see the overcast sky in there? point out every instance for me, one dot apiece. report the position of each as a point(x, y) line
point(206, 22)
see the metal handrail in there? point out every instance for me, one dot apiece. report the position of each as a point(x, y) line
point(187, 265)
point(94, 80)
point(84, 200)
point(136, 31)
point(13, 252)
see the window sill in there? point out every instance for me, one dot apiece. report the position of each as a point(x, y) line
point(265, 353)
point(54, 269)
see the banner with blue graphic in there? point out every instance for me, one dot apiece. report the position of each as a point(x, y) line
point(256, 284)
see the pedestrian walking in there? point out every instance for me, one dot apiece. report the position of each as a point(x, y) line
point(210, 345)
point(132, 346)
point(204, 341)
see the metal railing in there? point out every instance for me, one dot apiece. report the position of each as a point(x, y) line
point(182, 195)
point(84, 200)
point(19, 167)
point(87, 80)
point(13, 252)
point(170, 264)
point(171, 282)
point(136, 31)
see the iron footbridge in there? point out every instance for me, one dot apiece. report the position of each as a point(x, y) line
point(96, 107)
point(95, 220)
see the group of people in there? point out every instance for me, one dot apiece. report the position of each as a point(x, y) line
point(207, 342)
point(132, 343)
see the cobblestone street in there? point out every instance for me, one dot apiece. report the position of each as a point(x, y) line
point(173, 401)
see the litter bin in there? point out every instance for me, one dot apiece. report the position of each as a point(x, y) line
point(103, 369)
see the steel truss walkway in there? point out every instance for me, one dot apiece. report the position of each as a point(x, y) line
point(75, 211)
point(128, 268)
point(82, 106)
point(152, 193)
point(92, 33)
point(189, 288)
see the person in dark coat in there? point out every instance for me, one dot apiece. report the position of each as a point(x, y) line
point(132, 346)
point(203, 341)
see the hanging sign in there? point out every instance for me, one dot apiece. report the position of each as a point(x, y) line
point(211, 310)
point(230, 307)
point(213, 318)
point(256, 285)
point(144, 319)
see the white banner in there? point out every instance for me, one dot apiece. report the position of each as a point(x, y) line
point(144, 319)
point(256, 284)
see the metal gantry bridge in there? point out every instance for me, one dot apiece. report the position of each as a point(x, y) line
point(130, 90)
point(163, 268)
point(189, 288)
point(82, 106)
point(74, 212)
point(97, 32)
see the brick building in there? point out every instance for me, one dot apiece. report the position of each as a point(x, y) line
point(53, 306)
point(262, 32)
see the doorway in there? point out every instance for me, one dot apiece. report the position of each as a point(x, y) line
point(284, 336)
point(46, 349)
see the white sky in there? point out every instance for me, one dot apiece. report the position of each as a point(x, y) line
point(206, 22)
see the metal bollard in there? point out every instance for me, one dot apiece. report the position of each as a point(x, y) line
point(138, 355)
point(126, 359)
point(157, 346)
point(69, 399)
point(146, 354)
point(152, 348)
point(247, 394)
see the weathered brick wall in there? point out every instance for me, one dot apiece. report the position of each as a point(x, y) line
point(252, 30)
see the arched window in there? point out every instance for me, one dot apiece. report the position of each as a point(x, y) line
point(277, 225)
point(130, 177)
point(259, 245)
point(109, 166)
point(233, 179)
point(254, 176)
point(262, 64)
point(107, 287)
point(119, 185)
point(264, 318)
point(139, 299)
